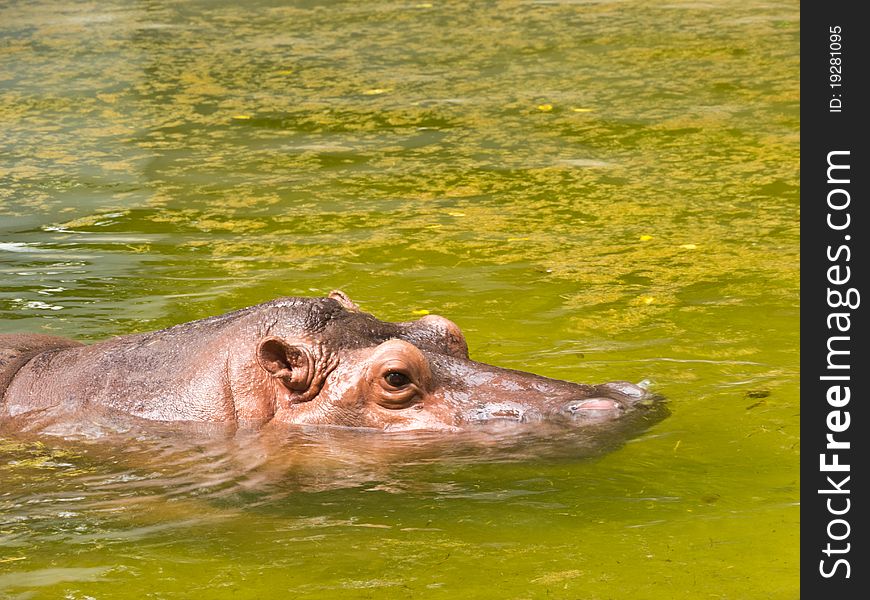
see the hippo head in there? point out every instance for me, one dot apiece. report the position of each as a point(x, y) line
point(322, 361)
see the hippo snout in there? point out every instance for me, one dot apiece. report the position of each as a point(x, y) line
point(523, 398)
point(612, 401)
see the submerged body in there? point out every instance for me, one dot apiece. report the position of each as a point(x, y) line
point(315, 361)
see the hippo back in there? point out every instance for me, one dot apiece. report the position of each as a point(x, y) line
point(17, 349)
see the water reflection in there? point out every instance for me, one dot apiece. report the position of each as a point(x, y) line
point(146, 487)
point(117, 459)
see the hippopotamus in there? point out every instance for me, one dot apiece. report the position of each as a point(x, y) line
point(292, 361)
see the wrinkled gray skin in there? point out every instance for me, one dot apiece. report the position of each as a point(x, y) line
point(292, 361)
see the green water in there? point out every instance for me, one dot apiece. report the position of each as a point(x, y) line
point(591, 190)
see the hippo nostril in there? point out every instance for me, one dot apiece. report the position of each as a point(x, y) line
point(596, 404)
point(623, 389)
point(593, 404)
point(594, 409)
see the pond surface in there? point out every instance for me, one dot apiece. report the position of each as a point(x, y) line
point(592, 190)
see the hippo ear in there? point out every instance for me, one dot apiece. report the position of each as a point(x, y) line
point(293, 365)
point(344, 300)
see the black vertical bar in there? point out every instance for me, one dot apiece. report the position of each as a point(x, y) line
point(834, 233)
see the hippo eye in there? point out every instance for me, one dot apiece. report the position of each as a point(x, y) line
point(396, 379)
